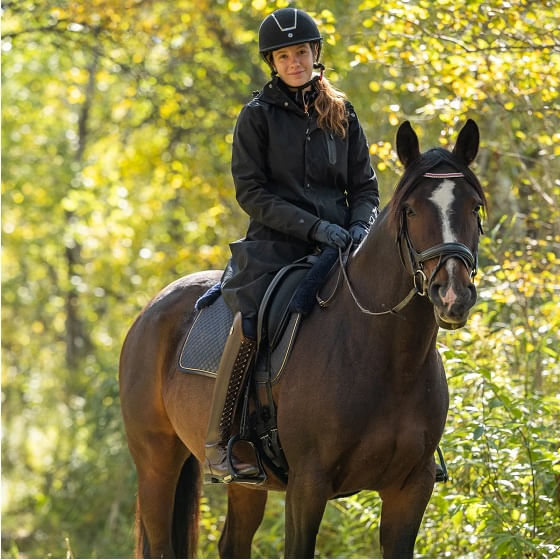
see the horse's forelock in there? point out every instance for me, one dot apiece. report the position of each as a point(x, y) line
point(412, 174)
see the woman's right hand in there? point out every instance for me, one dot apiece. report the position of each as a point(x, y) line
point(331, 234)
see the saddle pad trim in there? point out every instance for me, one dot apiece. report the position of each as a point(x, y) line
point(199, 372)
point(188, 369)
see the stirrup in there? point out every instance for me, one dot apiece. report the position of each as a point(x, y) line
point(441, 474)
point(234, 476)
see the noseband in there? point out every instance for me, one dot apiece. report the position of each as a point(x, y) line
point(444, 251)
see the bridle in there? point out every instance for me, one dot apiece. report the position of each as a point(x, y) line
point(421, 283)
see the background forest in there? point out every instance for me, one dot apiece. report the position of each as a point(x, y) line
point(117, 119)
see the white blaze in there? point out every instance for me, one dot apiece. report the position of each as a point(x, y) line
point(443, 197)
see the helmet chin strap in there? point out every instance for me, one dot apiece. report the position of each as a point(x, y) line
point(315, 79)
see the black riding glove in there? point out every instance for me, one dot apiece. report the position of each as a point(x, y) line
point(358, 231)
point(330, 234)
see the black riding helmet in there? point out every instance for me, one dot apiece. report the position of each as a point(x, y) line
point(285, 27)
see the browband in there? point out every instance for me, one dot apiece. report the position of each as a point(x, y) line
point(443, 175)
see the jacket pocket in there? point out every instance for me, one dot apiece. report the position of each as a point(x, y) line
point(331, 147)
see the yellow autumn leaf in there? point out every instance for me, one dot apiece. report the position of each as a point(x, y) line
point(75, 95)
point(235, 6)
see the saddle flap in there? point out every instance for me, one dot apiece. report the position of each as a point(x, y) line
point(274, 312)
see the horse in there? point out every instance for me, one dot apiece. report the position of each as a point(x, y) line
point(363, 398)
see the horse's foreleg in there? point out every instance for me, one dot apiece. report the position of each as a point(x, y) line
point(402, 512)
point(306, 498)
point(244, 515)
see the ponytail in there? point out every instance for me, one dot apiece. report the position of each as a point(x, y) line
point(331, 108)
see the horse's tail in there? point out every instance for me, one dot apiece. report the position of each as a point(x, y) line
point(184, 535)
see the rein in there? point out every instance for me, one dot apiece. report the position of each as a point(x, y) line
point(421, 283)
point(342, 260)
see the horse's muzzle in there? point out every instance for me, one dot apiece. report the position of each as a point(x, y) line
point(452, 304)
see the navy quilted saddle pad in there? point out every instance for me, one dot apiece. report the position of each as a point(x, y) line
point(205, 342)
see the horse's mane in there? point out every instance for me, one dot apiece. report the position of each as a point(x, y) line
point(414, 172)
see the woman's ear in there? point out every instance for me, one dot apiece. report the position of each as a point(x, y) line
point(270, 61)
point(315, 48)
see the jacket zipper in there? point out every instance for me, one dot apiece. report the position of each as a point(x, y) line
point(331, 146)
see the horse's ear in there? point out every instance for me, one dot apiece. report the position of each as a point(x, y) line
point(408, 147)
point(466, 147)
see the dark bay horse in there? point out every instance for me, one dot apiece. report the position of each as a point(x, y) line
point(363, 400)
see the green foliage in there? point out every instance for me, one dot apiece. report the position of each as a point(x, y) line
point(117, 126)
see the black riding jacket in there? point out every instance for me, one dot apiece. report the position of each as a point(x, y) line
point(289, 173)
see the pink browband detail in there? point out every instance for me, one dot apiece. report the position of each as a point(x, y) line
point(443, 175)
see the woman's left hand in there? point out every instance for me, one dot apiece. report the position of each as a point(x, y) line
point(358, 231)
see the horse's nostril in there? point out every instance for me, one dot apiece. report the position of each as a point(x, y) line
point(436, 292)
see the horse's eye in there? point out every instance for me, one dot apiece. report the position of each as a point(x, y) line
point(477, 209)
point(409, 211)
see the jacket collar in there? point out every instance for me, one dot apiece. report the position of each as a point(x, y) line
point(277, 93)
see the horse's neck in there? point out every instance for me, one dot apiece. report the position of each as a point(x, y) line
point(377, 271)
point(380, 282)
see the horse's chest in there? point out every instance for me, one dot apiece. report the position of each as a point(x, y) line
point(380, 458)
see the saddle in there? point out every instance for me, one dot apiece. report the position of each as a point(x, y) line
point(204, 343)
point(291, 292)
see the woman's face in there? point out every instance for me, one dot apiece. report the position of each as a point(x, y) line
point(294, 64)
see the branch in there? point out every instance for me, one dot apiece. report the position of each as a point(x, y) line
point(53, 28)
point(554, 45)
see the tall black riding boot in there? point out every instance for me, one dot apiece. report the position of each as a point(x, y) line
point(230, 380)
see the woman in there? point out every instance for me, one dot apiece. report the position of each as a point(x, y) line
point(301, 169)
